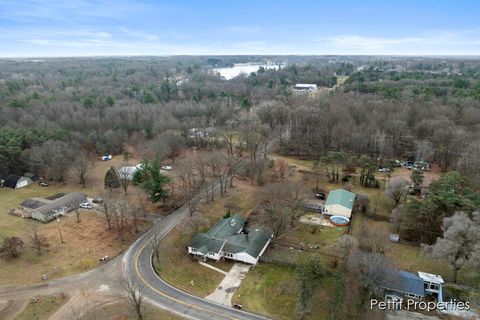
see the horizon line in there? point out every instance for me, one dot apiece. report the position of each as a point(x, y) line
point(242, 55)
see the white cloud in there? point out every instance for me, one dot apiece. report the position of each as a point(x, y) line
point(437, 42)
point(369, 43)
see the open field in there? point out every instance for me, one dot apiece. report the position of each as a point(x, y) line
point(184, 272)
point(43, 308)
point(272, 290)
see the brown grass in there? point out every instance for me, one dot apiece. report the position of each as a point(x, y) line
point(43, 308)
point(85, 243)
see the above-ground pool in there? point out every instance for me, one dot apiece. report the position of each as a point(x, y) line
point(339, 221)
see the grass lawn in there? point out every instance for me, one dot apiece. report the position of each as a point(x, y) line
point(312, 236)
point(42, 309)
point(118, 311)
point(183, 272)
point(272, 290)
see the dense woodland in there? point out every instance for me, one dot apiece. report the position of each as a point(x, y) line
point(391, 108)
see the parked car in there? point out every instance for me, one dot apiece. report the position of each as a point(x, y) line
point(383, 170)
point(97, 201)
point(167, 168)
point(107, 157)
point(409, 164)
point(43, 184)
point(398, 164)
point(320, 195)
point(86, 205)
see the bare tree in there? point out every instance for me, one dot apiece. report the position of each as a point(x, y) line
point(135, 296)
point(81, 164)
point(124, 176)
point(214, 162)
point(37, 241)
point(52, 158)
point(460, 242)
point(396, 189)
point(347, 245)
point(374, 238)
point(280, 204)
point(229, 138)
point(468, 164)
point(155, 246)
point(374, 268)
point(193, 203)
point(194, 223)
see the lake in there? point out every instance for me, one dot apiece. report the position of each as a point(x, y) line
point(239, 68)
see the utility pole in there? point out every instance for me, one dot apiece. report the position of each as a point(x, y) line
point(60, 231)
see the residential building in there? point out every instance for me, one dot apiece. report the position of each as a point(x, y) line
point(229, 239)
point(46, 210)
point(339, 203)
point(402, 284)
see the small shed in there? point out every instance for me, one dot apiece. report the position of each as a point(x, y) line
point(17, 182)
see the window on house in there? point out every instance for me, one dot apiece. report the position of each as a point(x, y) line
point(434, 286)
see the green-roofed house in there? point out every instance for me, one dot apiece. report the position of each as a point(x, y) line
point(226, 240)
point(339, 203)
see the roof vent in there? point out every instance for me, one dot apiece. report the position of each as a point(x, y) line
point(232, 222)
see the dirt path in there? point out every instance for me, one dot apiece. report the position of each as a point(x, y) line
point(12, 308)
point(86, 291)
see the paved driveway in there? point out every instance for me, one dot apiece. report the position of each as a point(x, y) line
point(226, 289)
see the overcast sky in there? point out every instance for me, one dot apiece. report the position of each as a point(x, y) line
point(127, 27)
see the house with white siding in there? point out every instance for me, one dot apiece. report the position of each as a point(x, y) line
point(229, 239)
